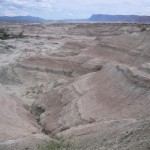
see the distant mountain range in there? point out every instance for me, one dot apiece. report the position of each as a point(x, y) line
point(93, 18)
point(21, 19)
point(120, 18)
point(31, 19)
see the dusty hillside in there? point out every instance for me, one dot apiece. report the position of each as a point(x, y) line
point(88, 82)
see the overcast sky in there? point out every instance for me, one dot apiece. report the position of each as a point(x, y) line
point(65, 9)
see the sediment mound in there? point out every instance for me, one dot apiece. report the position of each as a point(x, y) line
point(87, 82)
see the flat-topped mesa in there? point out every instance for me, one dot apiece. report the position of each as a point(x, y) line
point(120, 18)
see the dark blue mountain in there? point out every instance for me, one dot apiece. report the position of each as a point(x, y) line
point(120, 18)
point(21, 19)
point(93, 18)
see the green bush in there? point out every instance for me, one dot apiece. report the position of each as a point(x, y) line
point(56, 145)
point(20, 35)
point(4, 35)
point(143, 29)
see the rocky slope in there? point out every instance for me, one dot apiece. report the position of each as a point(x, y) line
point(88, 82)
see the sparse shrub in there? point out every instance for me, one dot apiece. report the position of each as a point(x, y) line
point(55, 145)
point(143, 29)
point(4, 35)
point(37, 111)
point(20, 35)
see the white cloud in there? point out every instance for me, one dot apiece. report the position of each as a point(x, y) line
point(63, 9)
point(28, 3)
point(25, 7)
point(15, 13)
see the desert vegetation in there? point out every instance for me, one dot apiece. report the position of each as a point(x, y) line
point(56, 145)
point(4, 34)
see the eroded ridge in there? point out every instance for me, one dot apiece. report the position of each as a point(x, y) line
point(89, 82)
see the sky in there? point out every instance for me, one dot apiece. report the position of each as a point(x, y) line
point(73, 9)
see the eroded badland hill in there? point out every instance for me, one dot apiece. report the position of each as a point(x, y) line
point(89, 82)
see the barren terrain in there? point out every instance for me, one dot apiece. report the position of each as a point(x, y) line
point(89, 82)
